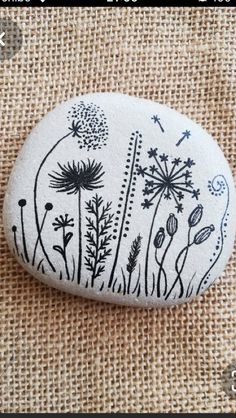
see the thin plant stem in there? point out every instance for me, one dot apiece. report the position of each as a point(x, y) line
point(23, 235)
point(97, 246)
point(162, 269)
point(35, 199)
point(80, 238)
point(15, 241)
point(149, 243)
point(124, 213)
point(37, 241)
point(178, 278)
point(65, 259)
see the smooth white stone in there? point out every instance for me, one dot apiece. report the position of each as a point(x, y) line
point(151, 214)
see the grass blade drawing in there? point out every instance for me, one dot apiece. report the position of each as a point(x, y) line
point(132, 259)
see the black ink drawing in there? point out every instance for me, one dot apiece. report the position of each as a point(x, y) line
point(64, 222)
point(201, 236)
point(171, 229)
point(127, 195)
point(157, 120)
point(217, 187)
point(132, 259)
point(16, 249)
point(89, 125)
point(22, 203)
point(165, 180)
point(185, 135)
point(98, 236)
point(72, 179)
point(48, 207)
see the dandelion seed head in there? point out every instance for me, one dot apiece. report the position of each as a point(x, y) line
point(89, 124)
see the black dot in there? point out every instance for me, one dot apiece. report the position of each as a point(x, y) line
point(119, 205)
point(217, 247)
point(127, 166)
point(128, 155)
point(114, 237)
point(118, 211)
point(130, 208)
point(140, 146)
point(121, 198)
point(127, 222)
point(22, 203)
point(128, 160)
point(122, 192)
point(124, 235)
point(205, 282)
point(126, 173)
point(129, 214)
point(48, 206)
point(14, 228)
point(115, 230)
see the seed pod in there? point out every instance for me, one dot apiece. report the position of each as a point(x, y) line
point(195, 216)
point(172, 224)
point(203, 234)
point(159, 238)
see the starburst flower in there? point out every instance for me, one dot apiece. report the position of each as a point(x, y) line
point(72, 179)
point(63, 222)
point(76, 176)
point(168, 179)
point(89, 124)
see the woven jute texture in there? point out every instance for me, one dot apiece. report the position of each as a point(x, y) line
point(60, 353)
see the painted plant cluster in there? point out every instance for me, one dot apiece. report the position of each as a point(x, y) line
point(166, 180)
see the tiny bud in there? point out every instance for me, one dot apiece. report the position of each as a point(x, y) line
point(172, 225)
point(203, 234)
point(195, 216)
point(159, 238)
point(14, 228)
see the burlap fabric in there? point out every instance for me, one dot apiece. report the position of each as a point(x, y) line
point(60, 353)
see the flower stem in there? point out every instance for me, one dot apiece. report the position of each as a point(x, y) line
point(65, 259)
point(161, 269)
point(97, 246)
point(16, 245)
point(184, 251)
point(35, 199)
point(149, 243)
point(80, 238)
point(23, 235)
point(124, 213)
point(37, 241)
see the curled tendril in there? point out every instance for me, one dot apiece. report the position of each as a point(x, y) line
point(217, 185)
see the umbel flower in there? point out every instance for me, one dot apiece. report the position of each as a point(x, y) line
point(63, 222)
point(89, 124)
point(72, 179)
point(168, 179)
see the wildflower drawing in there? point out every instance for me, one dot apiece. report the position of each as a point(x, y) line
point(22, 203)
point(126, 196)
point(157, 120)
point(87, 123)
point(132, 259)
point(185, 135)
point(199, 238)
point(98, 237)
point(167, 180)
point(72, 179)
point(64, 222)
point(48, 207)
point(171, 229)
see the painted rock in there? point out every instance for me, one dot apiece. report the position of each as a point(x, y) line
point(123, 200)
